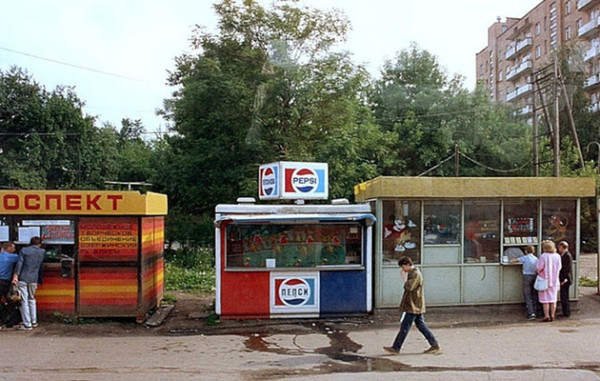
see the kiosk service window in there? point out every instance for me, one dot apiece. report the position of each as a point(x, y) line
point(293, 245)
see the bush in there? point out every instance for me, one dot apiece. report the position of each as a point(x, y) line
point(190, 269)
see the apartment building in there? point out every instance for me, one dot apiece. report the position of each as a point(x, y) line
point(518, 47)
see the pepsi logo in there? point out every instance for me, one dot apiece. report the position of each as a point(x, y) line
point(304, 180)
point(269, 181)
point(294, 292)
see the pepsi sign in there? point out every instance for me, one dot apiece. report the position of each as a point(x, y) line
point(293, 181)
point(299, 294)
point(268, 181)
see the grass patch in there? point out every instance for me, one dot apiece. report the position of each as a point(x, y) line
point(190, 269)
point(587, 282)
point(168, 299)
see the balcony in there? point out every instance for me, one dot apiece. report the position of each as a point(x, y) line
point(519, 92)
point(592, 82)
point(594, 107)
point(515, 73)
point(583, 5)
point(526, 43)
point(527, 110)
point(593, 52)
point(511, 50)
point(589, 29)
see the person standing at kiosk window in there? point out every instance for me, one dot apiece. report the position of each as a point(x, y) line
point(530, 294)
point(565, 277)
point(413, 306)
point(548, 267)
point(26, 277)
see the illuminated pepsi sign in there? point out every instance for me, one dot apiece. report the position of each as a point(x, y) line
point(293, 181)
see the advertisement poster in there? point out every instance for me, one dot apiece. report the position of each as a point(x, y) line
point(104, 241)
point(292, 294)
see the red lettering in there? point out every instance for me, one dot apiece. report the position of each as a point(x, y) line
point(73, 202)
point(32, 202)
point(56, 198)
point(7, 202)
point(115, 199)
point(92, 202)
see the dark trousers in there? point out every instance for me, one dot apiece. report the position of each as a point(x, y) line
point(9, 312)
point(405, 325)
point(564, 300)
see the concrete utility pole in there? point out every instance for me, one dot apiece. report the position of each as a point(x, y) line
point(556, 121)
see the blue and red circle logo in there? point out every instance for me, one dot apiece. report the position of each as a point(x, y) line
point(294, 292)
point(305, 180)
point(269, 181)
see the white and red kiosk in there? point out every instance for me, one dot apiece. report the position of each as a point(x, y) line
point(293, 260)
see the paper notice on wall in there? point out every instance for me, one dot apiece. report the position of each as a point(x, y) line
point(26, 233)
point(4, 236)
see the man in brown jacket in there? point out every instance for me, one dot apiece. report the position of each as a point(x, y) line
point(413, 306)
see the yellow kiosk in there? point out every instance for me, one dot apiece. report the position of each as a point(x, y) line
point(104, 249)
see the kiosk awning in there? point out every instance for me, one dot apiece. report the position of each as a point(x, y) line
point(294, 218)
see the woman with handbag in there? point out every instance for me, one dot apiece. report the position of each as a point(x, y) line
point(548, 267)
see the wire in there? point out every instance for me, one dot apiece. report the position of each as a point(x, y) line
point(493, 169)
point(437, 166)
point(78, 66)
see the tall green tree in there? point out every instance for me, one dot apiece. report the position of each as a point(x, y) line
point(267, 87)
point(429, 113)
point(47, 142)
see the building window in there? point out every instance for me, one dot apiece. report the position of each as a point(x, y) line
point(501, 96)
point(538, 51)
point(568, 7)
point(579, 24)
point(568, 33)
point(500, 76)
point(538, 29)
point(481, 68)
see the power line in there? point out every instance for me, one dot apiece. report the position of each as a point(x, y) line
point(78, 66)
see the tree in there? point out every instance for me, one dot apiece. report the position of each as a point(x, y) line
point(47, 142)
point(429, 114)
point(267, 87)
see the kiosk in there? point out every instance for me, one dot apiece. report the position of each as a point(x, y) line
point(104, 249)
point(293, 260)
point(462, 232)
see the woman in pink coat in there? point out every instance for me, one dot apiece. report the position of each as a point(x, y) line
point(548, 266)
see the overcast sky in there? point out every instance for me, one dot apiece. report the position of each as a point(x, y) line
point(136, 40)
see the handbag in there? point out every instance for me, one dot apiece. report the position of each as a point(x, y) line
point(540, 284)
point(13, 294)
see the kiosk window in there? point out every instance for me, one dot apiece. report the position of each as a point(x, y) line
point(558, 222)
point(401, 232)
point(482, 232)
point(441, 224)
point(294, 245)
point(521, 223)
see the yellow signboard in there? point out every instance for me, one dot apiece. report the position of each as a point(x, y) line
point(82, 203)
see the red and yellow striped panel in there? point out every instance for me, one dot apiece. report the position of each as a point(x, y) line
point(152, 262)
point(108, 291)
point(56, 294)
point(108, 239)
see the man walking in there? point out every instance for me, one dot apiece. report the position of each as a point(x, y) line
point(565, 277)
point(413, 306)
point(8, 259)
point(26, 277)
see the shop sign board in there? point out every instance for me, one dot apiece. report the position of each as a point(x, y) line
point(294, 294)
point(286, 180)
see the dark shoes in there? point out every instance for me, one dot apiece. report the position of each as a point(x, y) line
point(434, 349)
point(391, 350)
point(531, 317)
